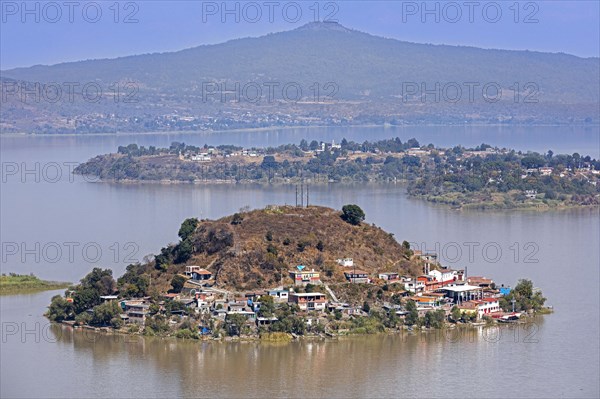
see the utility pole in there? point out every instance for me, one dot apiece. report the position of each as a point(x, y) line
point(307, 195)
point(302, 195)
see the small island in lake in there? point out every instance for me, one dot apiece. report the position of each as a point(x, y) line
point(483, 177)
point(13, 284)
point(283, 272)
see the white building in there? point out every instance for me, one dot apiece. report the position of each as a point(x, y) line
point(444, 275)
point(414, 286)
point(346, 262)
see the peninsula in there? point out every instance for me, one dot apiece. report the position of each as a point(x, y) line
point(483, 177)
point(282, 272)
point(13, 284)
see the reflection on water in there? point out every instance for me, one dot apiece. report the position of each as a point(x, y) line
point(380, 365)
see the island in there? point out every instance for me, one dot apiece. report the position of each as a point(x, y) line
point(13, 284)
point(285, 272)
point(483, 177)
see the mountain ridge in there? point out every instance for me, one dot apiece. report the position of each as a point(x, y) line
point(310, 26)
point(345, 77)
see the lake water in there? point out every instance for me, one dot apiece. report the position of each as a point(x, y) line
point(60, 230)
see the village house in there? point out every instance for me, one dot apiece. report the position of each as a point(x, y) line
point(430, 283)
point(417, 152)
point(136, 311)
point(188, 302)
point(265, 321)
point(462, 293)
point(235, 306)
point(303, 277)
point(445, 276)
point(480, 281)
point(309, 301)
point(345, 262)
point(279, 295)
point(414, 285)
point(197, 273)
point(171, 297)
point(108, 298)
point(531, 194)
point(545, 171)
point(201, 158)
point(427, 301)
point(390, 276)
point(504, 290)
point(252, 297)
point(202, 307)
point(397, 309)
point(483, 307)
point(344, 308)
point(357, 276)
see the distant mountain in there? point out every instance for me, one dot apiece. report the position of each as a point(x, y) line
point(363, 68)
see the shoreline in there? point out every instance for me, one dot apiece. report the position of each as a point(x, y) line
point(463, 207)
point(30, 286)
point(324, 337)
point(273, 128)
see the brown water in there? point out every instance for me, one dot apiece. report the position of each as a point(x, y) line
point(559, 251)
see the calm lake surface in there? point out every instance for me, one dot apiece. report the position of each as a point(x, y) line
point(59, 227)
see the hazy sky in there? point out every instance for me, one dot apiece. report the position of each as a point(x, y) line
point(42, 32)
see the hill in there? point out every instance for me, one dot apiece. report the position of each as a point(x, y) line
point(257, 249)
point(355, 73)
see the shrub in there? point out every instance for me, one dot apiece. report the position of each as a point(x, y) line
point(353, 214)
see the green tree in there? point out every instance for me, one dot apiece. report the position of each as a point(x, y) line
point(83, 318)
point(85, 298)
point(269, 236)
point(105, 312)
point(391, 320)
point(525, 297)
point(435, 319)
point(60, 309)
point(267, 306)
point(269, 162)
point(413, 315)
point(550, 194)
point(353, 214)
point(184, 251)
point(455, 313)
point(99, 280)
point(177, 282)
point(187, 228)
point(366, 307)
point(320, 246)
point(237, 219)
point(235, 324)
point(337, 314)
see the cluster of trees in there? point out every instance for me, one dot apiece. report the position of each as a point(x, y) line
point(525, 296)
point(182, 251)
point(458, 315)
point(326, 165)
point(432, 318)
point(133, 150)
point(86, 305)
point(502, 173)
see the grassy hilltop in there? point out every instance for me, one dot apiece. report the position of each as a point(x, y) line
point(256, 249)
